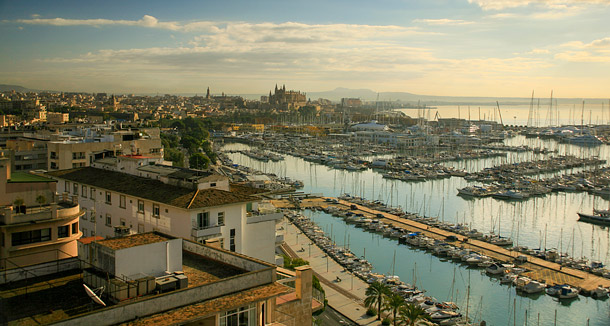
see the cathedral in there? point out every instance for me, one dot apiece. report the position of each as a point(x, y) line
point(284, 99)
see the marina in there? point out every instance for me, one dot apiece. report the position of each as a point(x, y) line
point(525, 222)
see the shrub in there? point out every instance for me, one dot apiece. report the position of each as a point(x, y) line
point(371, 311)
point(386, 321)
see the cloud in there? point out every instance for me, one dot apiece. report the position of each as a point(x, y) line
point(146, 21)
point(539, 51)
point(553, 4)
point(443, 21)
point(594, 51)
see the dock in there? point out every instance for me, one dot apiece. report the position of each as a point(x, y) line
point(538, 269)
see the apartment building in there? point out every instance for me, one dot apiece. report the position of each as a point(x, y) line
point(134, 194)
point(35, 225)
point(81, 147)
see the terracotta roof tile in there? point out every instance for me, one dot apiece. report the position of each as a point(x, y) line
point(139, 239)
point(207, 308)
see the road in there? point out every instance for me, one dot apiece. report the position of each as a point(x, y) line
point(330, 317)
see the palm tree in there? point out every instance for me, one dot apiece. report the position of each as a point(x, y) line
point(375, 294)
point(393, 304)
point(411, 314)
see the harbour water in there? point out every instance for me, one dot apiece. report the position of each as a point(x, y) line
point(546, 222)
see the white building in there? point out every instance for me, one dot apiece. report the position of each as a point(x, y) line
point(144, 196)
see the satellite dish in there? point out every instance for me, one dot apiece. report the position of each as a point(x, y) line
point(94, 296)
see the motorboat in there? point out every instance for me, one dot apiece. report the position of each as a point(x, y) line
point(495, 269)
point(562, 291)
point(600, 216)
point(600, 292)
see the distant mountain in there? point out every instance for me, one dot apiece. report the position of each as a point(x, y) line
point(430, 100)
point(16, 88)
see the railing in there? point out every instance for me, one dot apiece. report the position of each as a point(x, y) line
point(205, 231)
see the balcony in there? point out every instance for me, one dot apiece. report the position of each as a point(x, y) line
point(257, 217)
point(279, 238)
point(63, 207)
point(205, 231)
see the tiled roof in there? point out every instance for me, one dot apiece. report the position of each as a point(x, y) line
point(206, 308)
point(139, 239)
point(150, 189)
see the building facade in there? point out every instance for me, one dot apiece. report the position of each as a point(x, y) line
point(144, 197)
point(36, 226)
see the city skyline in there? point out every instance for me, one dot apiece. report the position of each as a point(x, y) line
point(448, 48)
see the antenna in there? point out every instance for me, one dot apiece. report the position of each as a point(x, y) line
point(94, 296)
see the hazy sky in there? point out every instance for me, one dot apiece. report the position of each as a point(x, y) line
point(433, 47)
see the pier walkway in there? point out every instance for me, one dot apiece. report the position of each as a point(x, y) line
point(538, 269)
point(346, 296)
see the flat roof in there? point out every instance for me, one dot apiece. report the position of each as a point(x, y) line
point(24, 177)
point(150, 189)
point(135, 240)
point(56, 297)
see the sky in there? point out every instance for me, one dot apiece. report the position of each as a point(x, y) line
point(503, 48)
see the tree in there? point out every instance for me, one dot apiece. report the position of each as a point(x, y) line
point(393, 304)
point(375, 294)
point(411, 315)
point(199, 161)
point(41, 200)
point(174, 155)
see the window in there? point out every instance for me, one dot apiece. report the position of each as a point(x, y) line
point(21, 238)
point(122, 201)
point(242, 316)
point(123, 222)
point(78, 155)
point(93, 219)
point(108, 220)
point(92, 194)
point(53, 155)
point(84, 232)
point(156, 210)
point(221, 218)
point(108, 197)
point(203, 220)
point(222, 243)
point(213, 184)
point(75, 189)
point(232, 240)
point(63, 231)
point(140, 206)
point(84, 191)
point(67, 187)
point(54, 165)
point(92, 233)
point(75, 228)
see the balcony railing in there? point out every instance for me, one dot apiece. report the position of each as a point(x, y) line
point(205, 231)
point(63, 206)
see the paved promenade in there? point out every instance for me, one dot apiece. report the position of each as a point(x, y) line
point(346, 296)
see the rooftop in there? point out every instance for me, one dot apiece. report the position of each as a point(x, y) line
point(133, 240)
point(153, 190)
point(210, 307)
point(57, 297)
point(24, 177)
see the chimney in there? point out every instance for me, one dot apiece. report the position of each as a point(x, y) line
point(303, 283)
